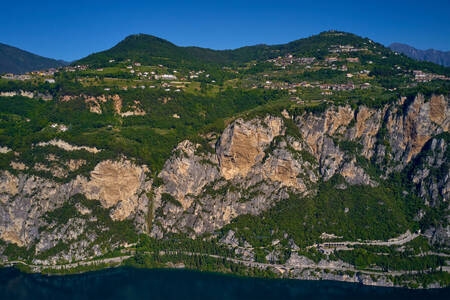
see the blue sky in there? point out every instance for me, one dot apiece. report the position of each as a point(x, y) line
point(73, 29)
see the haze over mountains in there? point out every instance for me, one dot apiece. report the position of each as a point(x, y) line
point(17, 61)
point(431, 55)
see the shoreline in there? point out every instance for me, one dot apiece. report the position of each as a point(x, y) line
point(310, 273)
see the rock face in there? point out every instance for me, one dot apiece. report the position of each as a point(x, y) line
point(239, 177)
point(25, 200)
point(95, 103)
point(247, 169)
point(66, 146)
point(116, 184)
point(255, 163)
point(408, 133)
point(242, 145)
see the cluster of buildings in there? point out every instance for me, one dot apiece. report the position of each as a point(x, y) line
point(349, 86)
point(332, 59)
point(30, 75)
point(292, 87)
point(345, 49)
point(166, 77)
point(290, 59)
point(75, 68)
point(196, 74)
point(11, 76)
point(421, 76)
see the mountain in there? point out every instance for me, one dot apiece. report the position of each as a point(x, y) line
point(151, 49)
point(323, 158)
point(431, 55)
point(17, 61)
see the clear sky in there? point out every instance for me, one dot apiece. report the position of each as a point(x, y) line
point(70, 30)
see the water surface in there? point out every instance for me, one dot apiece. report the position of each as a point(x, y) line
point(128, 283)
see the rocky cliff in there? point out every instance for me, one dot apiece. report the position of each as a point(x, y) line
point(252, 165)
point(256, 163)
point(40, 213)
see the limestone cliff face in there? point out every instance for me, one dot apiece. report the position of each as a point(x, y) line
point(430, 172)
point(185, 174)
point(25, 200)
point(116, 184)
point(401, 127)
point(254, 163)
point(96, 104)
point(239, 177)
point(246, 169)
point(409, 132)
point(323, 132)
point(242, 145)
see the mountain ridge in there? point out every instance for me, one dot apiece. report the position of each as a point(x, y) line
point(431, 55)
point(241, 54)
point(17, 61)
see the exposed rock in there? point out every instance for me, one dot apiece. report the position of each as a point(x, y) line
point(25, 199)
point(408, 133)
point(242, 145)
point(56, 171)
point(66, 146)
point(75, 164)
point(187, 173)
point(134, 110)
point(95, 103)
point(297, 261)
point(230, 239)
point(250, 167)
point(116, 184)
point(4, 150)
point(18, 165)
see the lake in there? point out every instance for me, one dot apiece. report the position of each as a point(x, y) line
point(128, 283)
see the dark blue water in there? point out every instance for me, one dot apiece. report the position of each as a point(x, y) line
point(126, 283)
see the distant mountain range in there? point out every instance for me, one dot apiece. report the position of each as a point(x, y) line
point(17, 61)
point(431, 55)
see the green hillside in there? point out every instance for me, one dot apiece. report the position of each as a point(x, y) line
point(17, 61)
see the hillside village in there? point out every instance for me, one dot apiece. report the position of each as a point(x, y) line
point(344, 67)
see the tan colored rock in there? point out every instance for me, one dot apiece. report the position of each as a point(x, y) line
point(314, 127)
point(4, 150)
point(186, 173)
point(410, 132)
point(75, 164)
point(283, 170)
point(242, 145)
point(438, 110)
point(12, 236)
point(117, 103)
point(116, 183)
point(135, 110)
point(334, 119)
point(9, 184)
point(56, 171)
point(18, 165)
point(94, 103)
point(363, 114)
point(66, 146)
